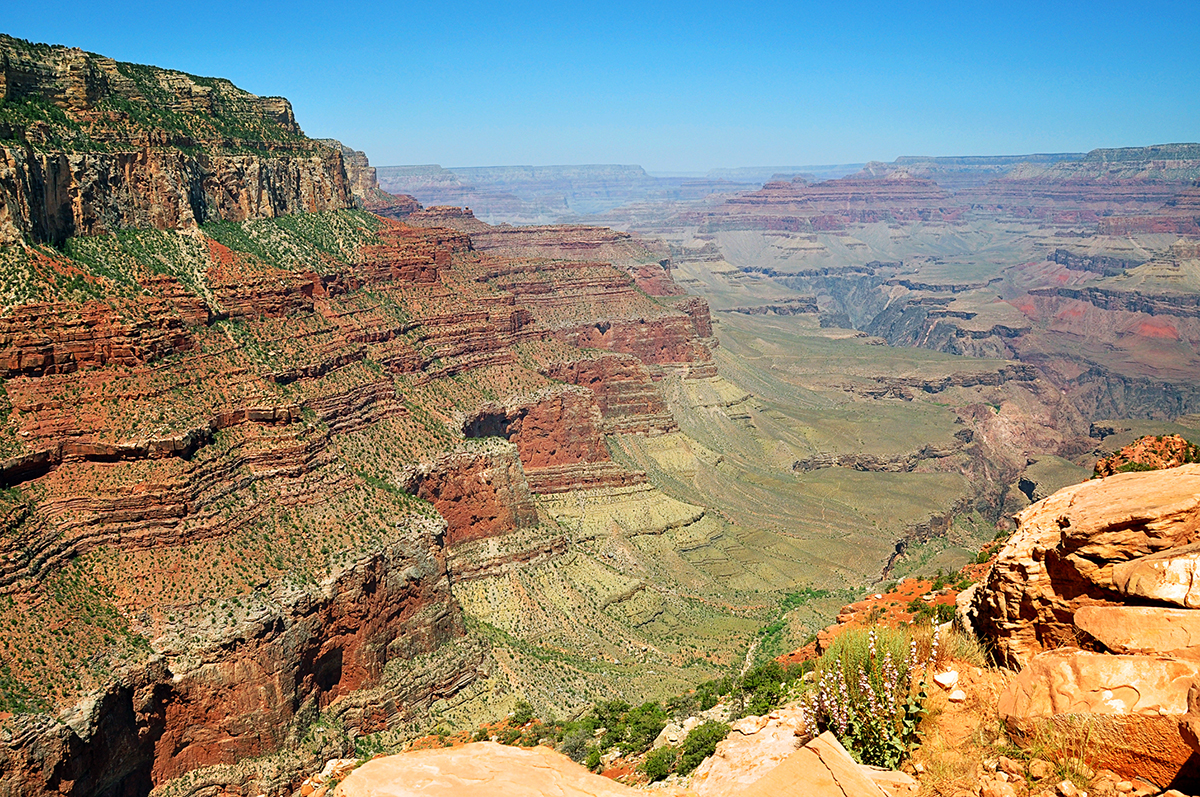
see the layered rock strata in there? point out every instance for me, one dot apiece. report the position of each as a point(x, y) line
point(480, 494)
point(243, 410)
point(558, 433)
point(1070, 551)
point(1106, 565)
point(294, 657)
point(629, 400)
point(143, 147)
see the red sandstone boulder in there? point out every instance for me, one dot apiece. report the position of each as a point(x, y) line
point(1082, 546)
point(1129, 708)
point(1167, 577)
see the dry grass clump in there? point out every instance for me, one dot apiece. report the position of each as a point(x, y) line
point(958, 737)
point(963, 741)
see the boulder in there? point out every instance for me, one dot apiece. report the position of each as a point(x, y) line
point(1132, 514)
point(482, 769)
point(822, 768)
point(1168, 576)
point(947, 679)
point(1068, 550)
point(1140, 629)
point(754, 746)
point(1128, 709)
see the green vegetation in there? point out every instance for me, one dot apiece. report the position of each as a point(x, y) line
point(929, 613)
point(765, 687)
point(774, 634)
point(18, 114)
point(187, 111)
point(1134, 467)
point(522, 715)
point(700, 744)
point(870, 691)
point(660, 763)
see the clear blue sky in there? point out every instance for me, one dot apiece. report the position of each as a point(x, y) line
point(677, 86)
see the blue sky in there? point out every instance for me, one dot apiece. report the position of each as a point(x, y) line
point(677, 86)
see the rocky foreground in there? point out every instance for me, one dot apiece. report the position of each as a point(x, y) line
point(821, 768)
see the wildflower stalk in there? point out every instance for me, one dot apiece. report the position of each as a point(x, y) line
point(877, 715)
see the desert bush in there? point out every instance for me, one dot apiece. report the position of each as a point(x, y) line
point(700, 744)
point(522, 714)
point(575, 745)
point(642, 726)
point(660, 763)
point(870, 691)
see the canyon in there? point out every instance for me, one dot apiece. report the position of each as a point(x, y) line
point(294, 468)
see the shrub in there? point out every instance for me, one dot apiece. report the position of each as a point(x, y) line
point(700, 744)
point(766, 686)
point(575, 746)
point(593, 759)
point(660, 763)
point(642, 726)
point(522, 714)
point(871, 693)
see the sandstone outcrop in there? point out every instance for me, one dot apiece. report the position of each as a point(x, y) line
point(754, 747)
point(1068, 549)
point(667, 340)
point(39, 339)
point(1164, 577)
point(480, 494)
point(1106, 565)
point(628, 398)
point(1149, 453)
point(196, 150)
point(1129, 708)
point(559, 435)
point(1140, 629)
point(821, 768)
point(452, 218)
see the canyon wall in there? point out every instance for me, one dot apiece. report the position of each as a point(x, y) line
point(227, 465)
point(242, 461)
point(104, 145)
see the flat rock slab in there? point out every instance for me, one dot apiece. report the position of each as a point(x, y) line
point(1070, 681)
point(1169, 576)
point(822, 768)
point(1129, 709)
point(1131, 514)
point(1140, 629)
point(483, 769)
